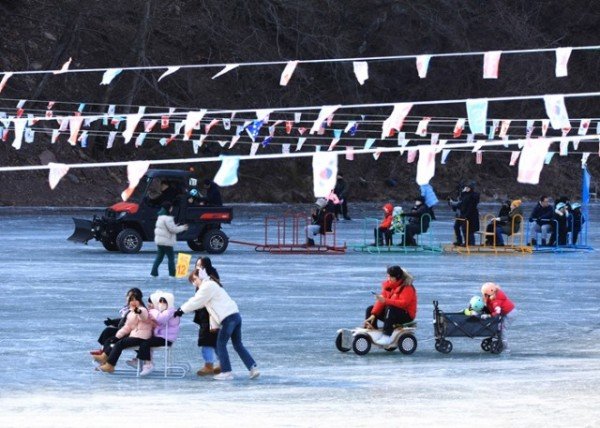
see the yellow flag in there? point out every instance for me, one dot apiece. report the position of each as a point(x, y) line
point(183, 264)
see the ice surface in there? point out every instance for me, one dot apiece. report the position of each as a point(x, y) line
point(56, 294)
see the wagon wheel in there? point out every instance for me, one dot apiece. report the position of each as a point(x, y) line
point(486, 344)
point(407, 344)
point(443, 346)
point(496, 347)
point(338, 343)
point(361, 344)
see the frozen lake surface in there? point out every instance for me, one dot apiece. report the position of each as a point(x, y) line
point(57, 293)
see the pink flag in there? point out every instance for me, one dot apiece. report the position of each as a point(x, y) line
point(57, 171)
point(333, 144)
point(491, 61)
point(513, 157)
point(301, 130)
point(149, 124)
point(64, 68)
point(410, 157)
point(545, 125)
point(425, 165)
point(479, 157)
point(396, 119)
point(423, 65)
point(532, 161)
point(562, 60)
point(286, 75)
point(458, 128)
point(325, 112)
point(208, 127)
point(191, 120)
point(234, 140)
point(361, 71)
point(584, 126)
point(422, 127)
point(350, 153)
point(556, 111)
point(377, 154)
point(135, 171)
point(4, 80)
point(75, 125)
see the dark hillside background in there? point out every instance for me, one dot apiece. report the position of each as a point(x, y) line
point(40, 35)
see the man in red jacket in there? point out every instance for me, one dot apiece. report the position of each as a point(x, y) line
point(397, 304)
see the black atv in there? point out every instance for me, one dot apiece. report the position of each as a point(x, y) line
point(125, 225)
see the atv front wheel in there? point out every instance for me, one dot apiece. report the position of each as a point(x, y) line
point(129, 241)
point(110, 245)
point(215, 241)
point(195, 244)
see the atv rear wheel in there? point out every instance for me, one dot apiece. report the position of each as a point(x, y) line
point(215, 241)
point(129, 241)
point(196, 244)
point(110, 245)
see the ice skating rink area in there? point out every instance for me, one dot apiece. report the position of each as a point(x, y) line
point(55, 295)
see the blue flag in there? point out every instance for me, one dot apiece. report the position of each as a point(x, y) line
point(254, 128)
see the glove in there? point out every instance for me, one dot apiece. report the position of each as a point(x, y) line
point(178, 313)
point(107, 322)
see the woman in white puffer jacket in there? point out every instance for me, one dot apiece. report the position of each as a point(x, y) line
point(165, 236)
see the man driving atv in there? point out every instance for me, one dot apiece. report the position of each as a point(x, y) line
point(168, 193)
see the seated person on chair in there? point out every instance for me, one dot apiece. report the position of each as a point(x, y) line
point(213, 194)
point(397, 303)
point(506, 225)
point(321, 220)
point(383, 230)
point(168, 193)
point(136, 330)
point(560, 226)
point(420, 216)
point(542, 216)
point(166, 329)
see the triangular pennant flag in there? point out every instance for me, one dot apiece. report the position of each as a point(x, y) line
point(402, 141)
point(422, 127)
point(556, 111)
point(369, 143)
point(411, 156)
point(532, 161)
point(490, 64)
point(301, 141)
point(266, 141)
point(263, 114)
point(234, 140)
point(477, 114)
point(83, 139)
point(254, 128)
point(377, 154)
point(63, 69)
point(333, 144)
point(425, 165)
point(56, 172)
point(423, 65)
point(458, 128)
point(562, 60)
point(301, 130)
point(470, 139)
point(19, 129)
point(170, 70)
point(4, 80)
point(253, 148)
point(325, 112)
point(109, 75)
point(228, 172)
point(513, 157)
point(135, 171)
point(149, 124)
point(285, 148)
point(140, 139)
point(226, 69)
point(349, 126)
point(361, 71)
point(575, 144)
point(396, 119)
point(209, 126)
point(297, 117)
point(111, 139)
point(504, 128)
point(478, 157)
point(286, 75)
point(132, 122)
point(226, 124)
point(191, 120)
point(440, 145)
point(55, 133)
point(548, 158)
point(545, 125)
point(75, 125)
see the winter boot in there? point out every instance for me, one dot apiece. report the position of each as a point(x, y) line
point(207, 370)
point(100, 358)
point(106, 368)
point(147, 368)
point(217, 370)
point(310, 242)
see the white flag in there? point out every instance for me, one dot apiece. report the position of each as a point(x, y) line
point(556, 111)
point(562, 60)
point(324, 173)
point(361, 71)
point(325, 112)
point(286, 75)
point(170, 70)
point(57, 171)
point(228, 172)
point(425, 165)
point(423, 65)
point(226, 69)
point(135, 171)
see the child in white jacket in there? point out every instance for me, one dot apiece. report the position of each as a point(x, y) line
point(165, 236)
point(224, 313)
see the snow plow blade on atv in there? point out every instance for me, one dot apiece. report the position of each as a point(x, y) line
point(83, 231)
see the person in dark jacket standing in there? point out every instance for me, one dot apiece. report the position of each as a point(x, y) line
point(542, 216)
point(213, 194)
point(466, 205)
point(341, 191)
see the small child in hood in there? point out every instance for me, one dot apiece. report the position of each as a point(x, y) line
point(476, 307)
point(498, 303)
point(397, 220)
point(383, 230)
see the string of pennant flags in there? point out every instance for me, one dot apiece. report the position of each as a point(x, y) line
point(491, 61)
